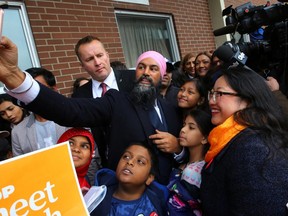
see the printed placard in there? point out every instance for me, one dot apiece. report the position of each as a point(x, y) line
point(39, 183)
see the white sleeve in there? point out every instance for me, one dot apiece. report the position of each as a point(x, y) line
point(27, 91)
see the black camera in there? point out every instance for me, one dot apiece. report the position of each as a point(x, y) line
point(267, 51)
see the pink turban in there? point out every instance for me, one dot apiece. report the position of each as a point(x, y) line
point(157, 57)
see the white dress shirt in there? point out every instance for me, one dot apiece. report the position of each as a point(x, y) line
point(110, 82)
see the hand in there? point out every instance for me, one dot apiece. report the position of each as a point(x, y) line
point(10, 74)
point(272, 83)
point(166, 142)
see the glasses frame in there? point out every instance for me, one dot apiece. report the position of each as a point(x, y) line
point(219, 94)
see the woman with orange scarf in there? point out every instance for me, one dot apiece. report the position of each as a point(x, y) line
point(246, 171)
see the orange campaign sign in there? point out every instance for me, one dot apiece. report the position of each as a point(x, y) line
point(43, 182)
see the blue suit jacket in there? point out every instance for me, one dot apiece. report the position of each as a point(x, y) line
point(127, 122)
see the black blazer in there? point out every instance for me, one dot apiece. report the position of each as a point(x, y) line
point(124, 78)
point(128, 122)
point(125, 81)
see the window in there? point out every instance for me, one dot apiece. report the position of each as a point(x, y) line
point(140, 32)
point(144, 2)
point(17, 28)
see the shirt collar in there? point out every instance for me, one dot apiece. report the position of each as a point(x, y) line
point(108, 81)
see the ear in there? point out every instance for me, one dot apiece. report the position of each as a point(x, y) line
point(204, 140)
point(150, 179)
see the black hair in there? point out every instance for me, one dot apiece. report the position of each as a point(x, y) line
point(203, 120)
point(76, 83)
point(47, 75)
point(118, 65)
point(154, 160)
point(169, 67)
point(6, 97)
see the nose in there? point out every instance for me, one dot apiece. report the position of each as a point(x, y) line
point(183, 93)
point(147, 71)
point(130, 162)
point(201, 64)
point(75, 148)
point(211, 100)
point(8, 114)
point(96, 61)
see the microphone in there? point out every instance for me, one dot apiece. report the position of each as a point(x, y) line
point(225, 30)
point(231, 55)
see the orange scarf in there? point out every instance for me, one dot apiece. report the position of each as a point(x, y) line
point(221, 135)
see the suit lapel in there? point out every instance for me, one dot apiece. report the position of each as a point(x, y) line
point(144, 119)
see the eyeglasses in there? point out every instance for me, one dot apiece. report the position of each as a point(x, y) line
point(215, 95)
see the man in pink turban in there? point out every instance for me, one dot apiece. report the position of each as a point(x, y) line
point(128, 117)
point(150, 69)
point(157, 57)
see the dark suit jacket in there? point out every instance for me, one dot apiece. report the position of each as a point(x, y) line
point(129, 122)
point(124, 78)
point(125, 81)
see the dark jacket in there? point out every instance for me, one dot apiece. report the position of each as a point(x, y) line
point(243, 180)
point(125, 80)
point(129, 122)
point(157, 193)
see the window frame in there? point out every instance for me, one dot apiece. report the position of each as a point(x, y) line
point(27, 32)
point(169, 24)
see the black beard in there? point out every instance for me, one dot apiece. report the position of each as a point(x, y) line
point(143, 94)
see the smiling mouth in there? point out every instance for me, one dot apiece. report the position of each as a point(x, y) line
point(182, 100)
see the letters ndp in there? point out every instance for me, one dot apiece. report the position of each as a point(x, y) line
point(43, 182)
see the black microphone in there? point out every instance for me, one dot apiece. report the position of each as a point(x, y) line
point(231, 55)
point(225, 30)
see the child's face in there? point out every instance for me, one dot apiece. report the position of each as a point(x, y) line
point(80, 149)
point(134, 166)
point(190, 135)
point(188, 95)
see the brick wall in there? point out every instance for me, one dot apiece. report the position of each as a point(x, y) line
point(58, 24)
